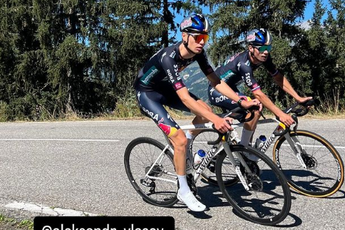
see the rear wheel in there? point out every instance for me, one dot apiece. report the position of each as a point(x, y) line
point(151, 171)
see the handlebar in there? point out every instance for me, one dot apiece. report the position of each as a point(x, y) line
point(300, 109)
point(240, 113)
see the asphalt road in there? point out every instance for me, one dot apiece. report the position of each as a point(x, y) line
point(79, 166)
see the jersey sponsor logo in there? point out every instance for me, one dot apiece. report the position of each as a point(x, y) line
point(146, 78)
point(154, 116)
point(248, 80)
point(171, 78)
point(176, 70)
point(173, 54)
point(178, 86)
point(226, 76)
point(221, 99)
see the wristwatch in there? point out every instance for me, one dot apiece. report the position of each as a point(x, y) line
point(239, 102)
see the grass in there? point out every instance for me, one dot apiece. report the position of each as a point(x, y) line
point(13, 224)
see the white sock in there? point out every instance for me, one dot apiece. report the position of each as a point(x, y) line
point(184, 188)
point(246, 135)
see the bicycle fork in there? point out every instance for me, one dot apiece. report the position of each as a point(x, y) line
point(297, 148)
point(237, 165)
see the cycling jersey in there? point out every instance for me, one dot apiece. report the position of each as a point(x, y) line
point(158, 81)
point(235, 70)
point(164, 67)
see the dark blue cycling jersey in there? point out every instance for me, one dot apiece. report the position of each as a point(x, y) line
point(235, 70)
point(164, 69)
point(158, 81)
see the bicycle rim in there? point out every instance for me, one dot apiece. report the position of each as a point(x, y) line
point(140, 157)
point(200, 142)
point(268, 201)
point(324, 174)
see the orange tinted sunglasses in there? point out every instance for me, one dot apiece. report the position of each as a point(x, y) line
point(199, 37)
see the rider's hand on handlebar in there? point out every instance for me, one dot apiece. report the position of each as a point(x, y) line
point(223, 124)
point(286, 119)
point(304, 99)
point(254, 102)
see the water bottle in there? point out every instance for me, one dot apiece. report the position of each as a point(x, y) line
point(260, 141)
point(199, 157)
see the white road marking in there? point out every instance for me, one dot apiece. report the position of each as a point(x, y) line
point(37, 208)
point(53, 139)
point(319, 146)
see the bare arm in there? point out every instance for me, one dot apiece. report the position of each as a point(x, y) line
point(284, 83)
point(224, 89)
point(267, 102)
point(283, 117)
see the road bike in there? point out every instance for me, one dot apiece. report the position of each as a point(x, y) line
point(311, 164)
point(260, 195)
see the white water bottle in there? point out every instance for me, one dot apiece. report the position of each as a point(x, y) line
point(260, 141)
point(199, 157)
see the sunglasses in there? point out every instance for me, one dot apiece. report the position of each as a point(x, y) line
point(263, 48)
point(199, 37)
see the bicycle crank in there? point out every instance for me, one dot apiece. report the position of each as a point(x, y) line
point(254, 183)
point(154, 171)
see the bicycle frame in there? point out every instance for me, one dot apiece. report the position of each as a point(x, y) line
point(219, 145)
point(293, 141)
point(159, 160)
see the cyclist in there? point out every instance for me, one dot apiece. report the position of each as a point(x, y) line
point(240, 68)
point(159, 83)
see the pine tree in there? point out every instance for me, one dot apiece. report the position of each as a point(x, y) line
point(71, 56)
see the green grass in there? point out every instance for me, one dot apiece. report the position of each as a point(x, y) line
point(13, 224)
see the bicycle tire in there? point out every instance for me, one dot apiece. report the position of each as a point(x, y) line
point(200, 142)
point(325, 174)
point(140, 155)
point(268, 201)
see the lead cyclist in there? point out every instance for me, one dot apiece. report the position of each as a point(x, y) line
point(159, 83)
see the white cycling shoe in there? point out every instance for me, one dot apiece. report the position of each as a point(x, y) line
point(192, 203)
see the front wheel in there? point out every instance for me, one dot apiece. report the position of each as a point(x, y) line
point(267, 199)
point(151, 171)
point(318, 172)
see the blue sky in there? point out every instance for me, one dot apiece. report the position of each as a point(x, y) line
point(308, 13)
